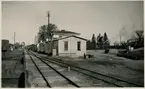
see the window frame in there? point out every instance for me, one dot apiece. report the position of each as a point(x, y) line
point(78, 45)
point(65, 45)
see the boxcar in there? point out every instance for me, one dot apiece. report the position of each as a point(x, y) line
point(5, 45)
point(41, 47)
point(5, 48)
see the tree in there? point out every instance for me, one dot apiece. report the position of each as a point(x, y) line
point(138, 40)
point(46, 31)
point(106, 42)
point(116, 44)
point(39, 37)
point(43, 28)
point(42, 33)
point(94, 41)
point(140, 33)
point(50, 29)
point(89, 45)
point(99, 40)
point(123, 44)
point(98, 37)
point(105, 38)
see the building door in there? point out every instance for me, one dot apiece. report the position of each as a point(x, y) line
point(54, 52)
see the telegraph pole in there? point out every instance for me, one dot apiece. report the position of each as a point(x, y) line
point(122, 32)
point(120, 39)
point(49, 37)
point(48, 16)
point(14, 37)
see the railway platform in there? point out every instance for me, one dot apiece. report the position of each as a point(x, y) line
point(33, 77)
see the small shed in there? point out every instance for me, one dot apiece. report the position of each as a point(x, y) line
point(69, 46)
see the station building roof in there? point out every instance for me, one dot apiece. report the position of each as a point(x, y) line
point(71, 36)
point(64, 32)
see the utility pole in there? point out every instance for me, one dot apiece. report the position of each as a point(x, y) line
point(49, 37)
point(120, 39)
point(48, 17)
point(14, 37)
point(122, 32)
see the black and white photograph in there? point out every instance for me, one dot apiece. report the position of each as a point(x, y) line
point(72, 44)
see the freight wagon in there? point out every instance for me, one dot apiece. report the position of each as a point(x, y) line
point(5, 45)
point(5, 48)
point(41, 48)
point(32, 47)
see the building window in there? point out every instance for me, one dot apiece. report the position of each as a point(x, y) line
point(65, 45)
point(79, 45)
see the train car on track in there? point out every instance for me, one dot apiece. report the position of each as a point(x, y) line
point(32, 47)
point(5, 48)
point(5, 45)
point(41, 48)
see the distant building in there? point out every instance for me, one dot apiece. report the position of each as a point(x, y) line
point(69, 46)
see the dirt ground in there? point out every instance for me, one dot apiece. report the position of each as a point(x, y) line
point(111, 51)
point(127, 69)
point(78, 78)
point(55, 80)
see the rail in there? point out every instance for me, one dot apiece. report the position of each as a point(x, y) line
point(75, 67)
point(57, 73)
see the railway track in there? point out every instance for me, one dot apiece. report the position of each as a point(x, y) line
point(108, 79)
point(41, 64)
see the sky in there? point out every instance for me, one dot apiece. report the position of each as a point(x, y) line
point(85, 17)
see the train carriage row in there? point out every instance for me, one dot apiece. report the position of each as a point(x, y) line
point(136, 54)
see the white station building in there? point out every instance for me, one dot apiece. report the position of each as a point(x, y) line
point(69, 46)
point(65, 43)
